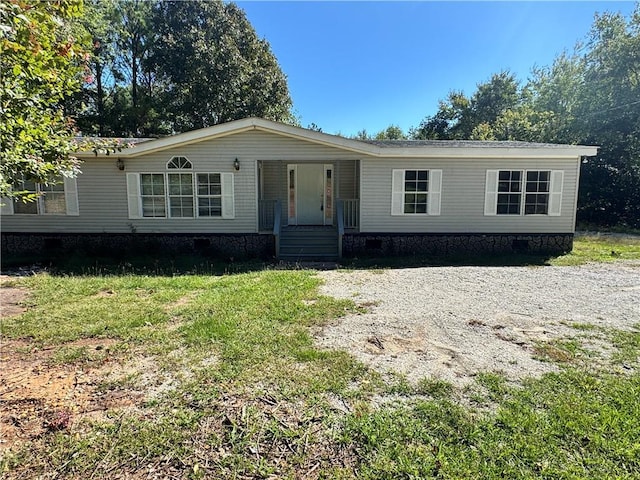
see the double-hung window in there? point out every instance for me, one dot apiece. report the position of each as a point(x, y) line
point(152, 195)
point(56, 198)
point(180, 193)
point(509, 192)
point(536, 197)
point(523, 192)
point(209, 195)
point(416, 192)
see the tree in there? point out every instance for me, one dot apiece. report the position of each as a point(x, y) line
point(40, 66)
point(99, 23)
point(492, 99)
point(591, 96)
point(122, 97)
point(557, 91)
point(392, 132)
point(215, 67)
point(449, 121)
point(459, 116)
point(166, 67)
point(609, 116)
point(361, 135)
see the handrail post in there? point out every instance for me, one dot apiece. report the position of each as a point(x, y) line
point(277, 214)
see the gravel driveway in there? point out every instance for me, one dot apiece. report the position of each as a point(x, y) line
point(452, 322)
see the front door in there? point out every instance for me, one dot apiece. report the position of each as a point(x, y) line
point(310, 192)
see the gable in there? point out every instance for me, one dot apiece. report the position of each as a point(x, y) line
point(245, 146)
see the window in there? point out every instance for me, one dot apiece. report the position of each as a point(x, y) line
point(416, 192)
point(509, 192)
point(152, 194)
point(292, 194)
point(416, 188)
point(180, 193)
point(209, 195)
point(27, 207)
point(179, 163)
point(523, 192)
point(537, 193)
point(328, 194)
point(52, 199)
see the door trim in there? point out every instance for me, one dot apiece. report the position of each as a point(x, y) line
point(292, 192)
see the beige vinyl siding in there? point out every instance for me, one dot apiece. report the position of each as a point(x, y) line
point(102, 205)
point(462, 197)
point(348, 180)
point(103, 201)
point(274, 179)
point(102, 189)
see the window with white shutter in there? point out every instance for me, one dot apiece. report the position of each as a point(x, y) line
point(523, 192)
point(416, 192)
point(60, 197)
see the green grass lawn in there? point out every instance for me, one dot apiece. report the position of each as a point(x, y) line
point(590, 248)
point(246, 394)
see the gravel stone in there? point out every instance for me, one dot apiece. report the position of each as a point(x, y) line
point(453, 322)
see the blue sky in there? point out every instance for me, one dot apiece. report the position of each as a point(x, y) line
point(366, 65)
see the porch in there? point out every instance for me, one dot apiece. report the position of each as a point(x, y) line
point(308, 206)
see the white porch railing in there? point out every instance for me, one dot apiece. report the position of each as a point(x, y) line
point(277, 214)
point(266, 209)
point(351, 213)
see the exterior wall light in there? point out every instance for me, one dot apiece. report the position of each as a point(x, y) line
point(120, 164)
point(236, 165)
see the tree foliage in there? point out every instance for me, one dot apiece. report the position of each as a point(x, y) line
point(589, 97)
point(171, 66)
point(40, 66)
point(609, 116)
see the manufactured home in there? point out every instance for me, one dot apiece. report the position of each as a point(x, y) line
point(254, 187)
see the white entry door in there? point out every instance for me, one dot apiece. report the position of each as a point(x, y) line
point(310, 194)
point(310, 209)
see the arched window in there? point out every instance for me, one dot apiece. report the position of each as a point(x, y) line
point(179, 163)
point(180, 188)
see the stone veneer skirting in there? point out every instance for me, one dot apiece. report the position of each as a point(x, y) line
point(252, 245)
point(377, 244)
point(235, 246)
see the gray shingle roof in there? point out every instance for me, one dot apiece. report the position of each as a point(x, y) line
point(461, 144)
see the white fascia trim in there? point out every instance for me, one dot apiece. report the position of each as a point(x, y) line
point(570, 151)
point(239, 126)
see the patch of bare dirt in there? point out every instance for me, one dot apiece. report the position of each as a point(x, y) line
point(11, 300)
point(39, 395)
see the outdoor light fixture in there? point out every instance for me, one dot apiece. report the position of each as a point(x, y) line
point(120, 164)
point(236, 165)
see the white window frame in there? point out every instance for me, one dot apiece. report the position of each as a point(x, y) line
point(164, 193)
point(170, 196)
point(198, 196)
point(434, 192)
point(554, 204)
point(69, 190)
point(179, 162)
point(179, 165)
point(134, 196)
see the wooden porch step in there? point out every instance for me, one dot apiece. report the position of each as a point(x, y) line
point(309, 243)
